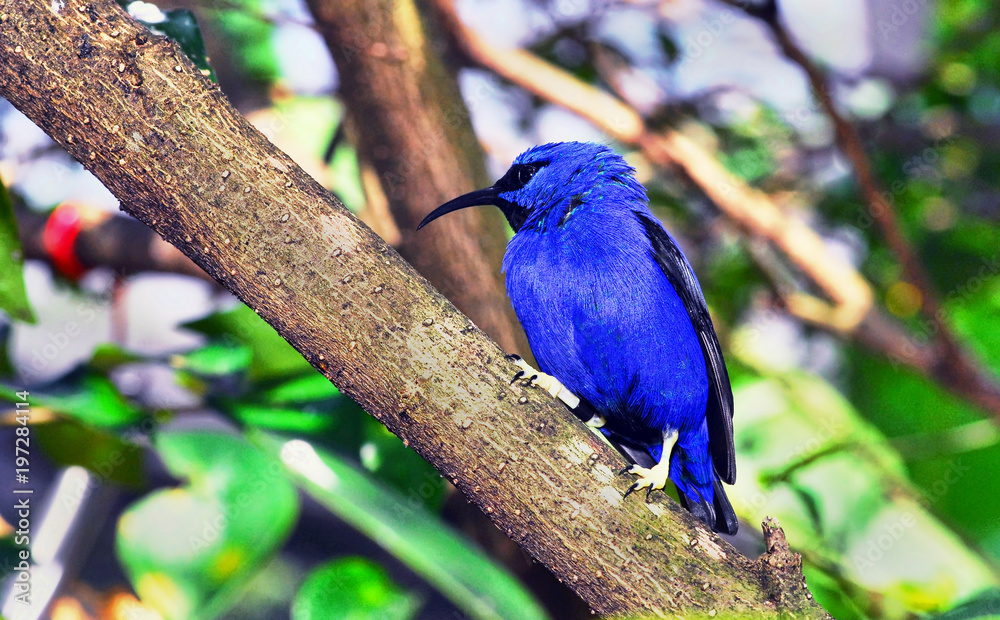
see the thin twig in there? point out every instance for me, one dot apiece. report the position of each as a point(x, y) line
point(952, 362)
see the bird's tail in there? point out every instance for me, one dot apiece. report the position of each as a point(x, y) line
point(718, 513)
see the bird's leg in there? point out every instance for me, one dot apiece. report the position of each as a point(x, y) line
point(547, 382)
point(551, 385)
point(656, 477)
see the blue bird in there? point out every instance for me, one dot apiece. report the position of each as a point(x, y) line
point(616, 319)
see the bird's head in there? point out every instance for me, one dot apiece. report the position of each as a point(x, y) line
point(547, 183)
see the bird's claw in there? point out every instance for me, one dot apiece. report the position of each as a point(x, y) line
point(652, 479)
point(635, 486)
point(547, 382)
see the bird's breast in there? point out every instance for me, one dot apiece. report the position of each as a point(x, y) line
point(601, 316)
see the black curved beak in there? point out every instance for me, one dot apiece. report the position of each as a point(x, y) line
point(487, 196)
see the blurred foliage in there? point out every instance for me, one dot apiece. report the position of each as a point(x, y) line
point(13, 298)
point(189, 551)
point(402, 526)
point(882, 479)
point(845, 502)
point(241, 27)
point(351, 589)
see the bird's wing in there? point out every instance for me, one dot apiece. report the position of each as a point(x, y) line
point(720, 394)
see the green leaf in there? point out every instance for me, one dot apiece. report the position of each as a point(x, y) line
point(985, 605)
point(392, 462)
point(250, 37)
point(108, 356)
point(352, 589)
point(473, 582)
point(278, 418)
point(189, 551)
point(214, 359)
point(830, 595)
point(90, 398)
point(67, 442)
point(181, 26)
point(13, 295)
point(309, 388)
point(273, 357)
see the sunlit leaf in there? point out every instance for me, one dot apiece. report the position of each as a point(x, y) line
point(216, 358)
point(189, 551)
point(474, 583)
point(278, 418)
point(351, 589)
point(13, 296)
point(273, 357)
point(90, 398)
point(308, 388)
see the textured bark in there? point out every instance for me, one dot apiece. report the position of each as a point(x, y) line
point(135, 112)
point(414, 129)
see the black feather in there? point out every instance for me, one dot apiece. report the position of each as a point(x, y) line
point(719, 411)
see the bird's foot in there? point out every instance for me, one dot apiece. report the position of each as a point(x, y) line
point(656, 477)
point(547, 382)
point(652, 479)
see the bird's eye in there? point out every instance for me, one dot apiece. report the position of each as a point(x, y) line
point(525, 172)
point(518, 176)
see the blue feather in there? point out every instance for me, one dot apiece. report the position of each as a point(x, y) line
point(613, 310)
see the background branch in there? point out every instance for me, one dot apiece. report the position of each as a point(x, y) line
point(104, 240)
point(852, 312)
point(946, 360)
point(414, 130)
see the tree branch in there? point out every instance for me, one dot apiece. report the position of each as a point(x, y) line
point(105, 240)
point(415, 131)
point(945, 360)
point(163, 139)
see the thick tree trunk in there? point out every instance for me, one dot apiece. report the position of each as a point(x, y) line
point(135, 112)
